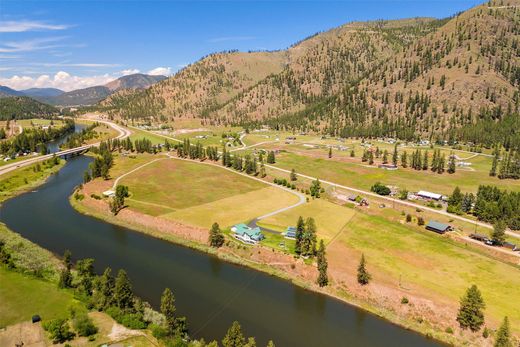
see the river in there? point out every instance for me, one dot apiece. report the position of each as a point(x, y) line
point(211, 293)
point(54, 146)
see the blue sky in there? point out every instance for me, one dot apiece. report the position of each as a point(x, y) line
point(72, 44)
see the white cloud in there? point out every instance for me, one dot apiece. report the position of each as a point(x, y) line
point(29, 45)
point(129, 72)
point(166, 71)
point(61, 80)
point(27, 25)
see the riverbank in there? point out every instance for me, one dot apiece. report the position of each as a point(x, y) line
point(264, 259)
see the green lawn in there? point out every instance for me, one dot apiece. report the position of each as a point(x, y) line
point(22, 296)
point(360, 176)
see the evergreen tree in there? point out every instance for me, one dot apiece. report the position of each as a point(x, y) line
point(168, 310)
point(451, 164)
point(86, 274)
point(363, 277)
point(315, 188)
point(308, 244)
point(404, 159)
point(105, 289)
point(425, 161)
point(471, 313)
point(271, 159)
point(216, 237)
point(493, 171)
point(123, 295)
point(234, 336)
point(395, 155)
point(330, 152)
point(385, 157)
point(499, 232)
point(293, 175)
point(503, 336)
point(300, 230)
point(65, 280)
point(323, 278)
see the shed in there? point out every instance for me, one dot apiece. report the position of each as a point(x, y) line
point(437, 227)
point(429, 195)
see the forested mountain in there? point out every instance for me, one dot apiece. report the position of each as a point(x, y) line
point(92, 95)
point(23, 107)
point(440, 79)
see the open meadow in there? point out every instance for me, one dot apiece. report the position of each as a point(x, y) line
point(199, 194)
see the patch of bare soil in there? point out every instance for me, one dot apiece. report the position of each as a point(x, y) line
point(24, 334)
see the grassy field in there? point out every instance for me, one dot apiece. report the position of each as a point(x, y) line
point(238, 208)
point(197, 194)
point(330, 218)
point(23, 296)
point(363, 177)
point(180, 184)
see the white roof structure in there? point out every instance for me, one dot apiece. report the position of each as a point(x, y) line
point(429, 195)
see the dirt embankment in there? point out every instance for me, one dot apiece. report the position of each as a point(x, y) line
point(383, 297)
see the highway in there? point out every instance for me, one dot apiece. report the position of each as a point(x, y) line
point(123, 133)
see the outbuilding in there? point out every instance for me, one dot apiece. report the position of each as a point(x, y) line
point(290, 232)
point(429, 195)
point(438, 227)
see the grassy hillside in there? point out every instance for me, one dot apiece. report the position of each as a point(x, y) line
point(199, 87)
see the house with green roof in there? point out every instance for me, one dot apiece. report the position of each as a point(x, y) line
point(246, 234)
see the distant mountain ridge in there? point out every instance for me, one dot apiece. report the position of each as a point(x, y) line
point(42, 92)
point(85, 96)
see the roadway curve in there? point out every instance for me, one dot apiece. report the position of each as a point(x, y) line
point(123, 133)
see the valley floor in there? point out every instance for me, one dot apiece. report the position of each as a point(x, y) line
point(178, 201)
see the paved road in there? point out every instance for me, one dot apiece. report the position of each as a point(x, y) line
point(123, 133)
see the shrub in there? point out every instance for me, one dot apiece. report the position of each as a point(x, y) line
point(133, 321)
point(380, 189)
point(449, 330)
point(485, 333)
point(84, 325)
point(408, 218)
point(95, 196)
point(420, 221)
point(59, 330)
point(404, 300)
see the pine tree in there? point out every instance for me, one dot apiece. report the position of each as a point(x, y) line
point(168, 310)
point(330, 152)
point(216, 237)
point(270, 343)
point(123, 295)
point(503, 336)
point(105, 289)
point(471, 313)
point(271, 159)
point(65, 280)
point(385, 157)
point(293, 175)
point(323, 278)
point(395, 156)
point(451, 164)
point(300, 230)
point(308, 244)
point(493, 171)
point(425, 161)
point(404, 159)
point(499, 232)
point(234, 336)
point(363, 277)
